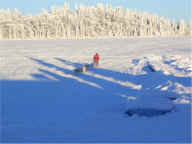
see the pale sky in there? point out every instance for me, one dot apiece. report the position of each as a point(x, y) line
point(173, 9)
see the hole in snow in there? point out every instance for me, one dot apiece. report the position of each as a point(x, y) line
point(148, 112)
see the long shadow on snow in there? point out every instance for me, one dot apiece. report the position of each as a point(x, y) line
point(108, 86)
point(171, 63)
point(157, 77)
point(46, 110)
point(149, 81)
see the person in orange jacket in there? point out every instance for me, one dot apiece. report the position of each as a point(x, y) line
point(96, 60)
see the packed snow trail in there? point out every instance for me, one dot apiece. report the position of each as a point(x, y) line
point(43, 100)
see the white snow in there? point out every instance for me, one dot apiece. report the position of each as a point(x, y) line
point(43, 100)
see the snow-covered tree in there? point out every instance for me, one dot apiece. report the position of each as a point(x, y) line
point(86, 22)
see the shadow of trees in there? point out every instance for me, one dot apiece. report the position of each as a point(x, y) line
point(150, 81)
point(47, 108)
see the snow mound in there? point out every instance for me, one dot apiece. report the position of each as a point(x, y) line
point(149, 105)
point(147, 112)
point(183, 100)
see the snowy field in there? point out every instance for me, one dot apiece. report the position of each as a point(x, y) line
point(141, 91)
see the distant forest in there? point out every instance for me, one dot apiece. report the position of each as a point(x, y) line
point(87, 22)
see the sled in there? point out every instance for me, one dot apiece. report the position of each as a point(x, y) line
point(83, 68)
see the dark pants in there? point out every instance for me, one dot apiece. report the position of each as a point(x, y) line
point(95, 63)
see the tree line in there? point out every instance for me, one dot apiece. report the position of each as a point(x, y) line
point(87, 22)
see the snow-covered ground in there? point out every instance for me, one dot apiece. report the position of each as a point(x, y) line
point(123, 100)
